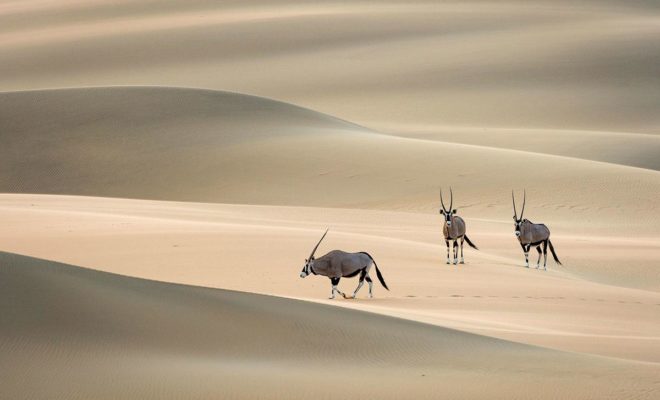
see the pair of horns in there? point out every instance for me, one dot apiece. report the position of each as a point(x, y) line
point(317, 245)
point(451, 202)
point(515, 213)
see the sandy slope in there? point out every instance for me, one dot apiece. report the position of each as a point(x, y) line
point(261, 249)
point(510, 64)
point(637, 150)
point(557, 97)
point(125, 337)
point(194, 145)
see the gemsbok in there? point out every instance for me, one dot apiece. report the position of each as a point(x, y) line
point(454, 229)
point(530, 234)
point(338, 264)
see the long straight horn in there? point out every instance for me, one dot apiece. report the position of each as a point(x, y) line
point(524, 201)
point(442, 201)
point(317, 245)
point(515, 213)
point(451, 202)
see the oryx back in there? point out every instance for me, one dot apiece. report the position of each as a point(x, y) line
point(531, 233)
point(338, 264)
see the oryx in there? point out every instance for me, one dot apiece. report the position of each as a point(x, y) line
point(338, 264)
point(453, 229)
point(530, 234)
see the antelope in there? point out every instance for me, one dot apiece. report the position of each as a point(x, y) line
point(454, 229)
point(530, 234)
point(338, 264)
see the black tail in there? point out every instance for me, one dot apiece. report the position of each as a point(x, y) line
point(470, 243)
point(554, 255)
point(378, 274)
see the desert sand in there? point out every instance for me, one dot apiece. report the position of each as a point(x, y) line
point(166, 167)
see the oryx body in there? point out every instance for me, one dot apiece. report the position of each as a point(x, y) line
point(531, 235)
point(339, 264)
point(454, 229)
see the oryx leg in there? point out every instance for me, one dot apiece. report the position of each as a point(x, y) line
point(525, 250)
point(371, 285)
point(545, 254)
point(455, 251)
point(538, 262)
point(447, 243)
point(363, 274)
point(462, 241)
point(335, 282)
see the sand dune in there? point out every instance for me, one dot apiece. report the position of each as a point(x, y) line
point(261, 249)
point(637, 150)
point(506, 64)
point(72, 333)
point(129, 145)
point(193, 145)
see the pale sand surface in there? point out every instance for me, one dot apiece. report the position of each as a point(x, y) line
point(123, 337)
point(97, 102)
point(261, 249)
point(198, 145)
point(511, 64)
point(637, 150)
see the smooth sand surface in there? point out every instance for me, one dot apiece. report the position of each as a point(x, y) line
point(262, 249)
point(588, 65)
point(197, 145)
point(130, 338)
point(247, 128)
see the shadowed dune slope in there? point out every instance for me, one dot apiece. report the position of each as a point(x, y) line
point(67, 332)
point(198, 145)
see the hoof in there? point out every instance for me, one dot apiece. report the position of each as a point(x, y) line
point(462, 262)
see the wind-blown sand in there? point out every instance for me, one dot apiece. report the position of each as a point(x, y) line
point(129, 145)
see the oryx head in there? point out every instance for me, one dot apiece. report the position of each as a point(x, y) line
point(518, 221)
point(309, 262)
point(448, 213)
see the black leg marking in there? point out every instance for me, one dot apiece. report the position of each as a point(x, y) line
point(462, 241)
point(371, 285)
point(447, 243)
point(526, 250)
point(363, 273)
